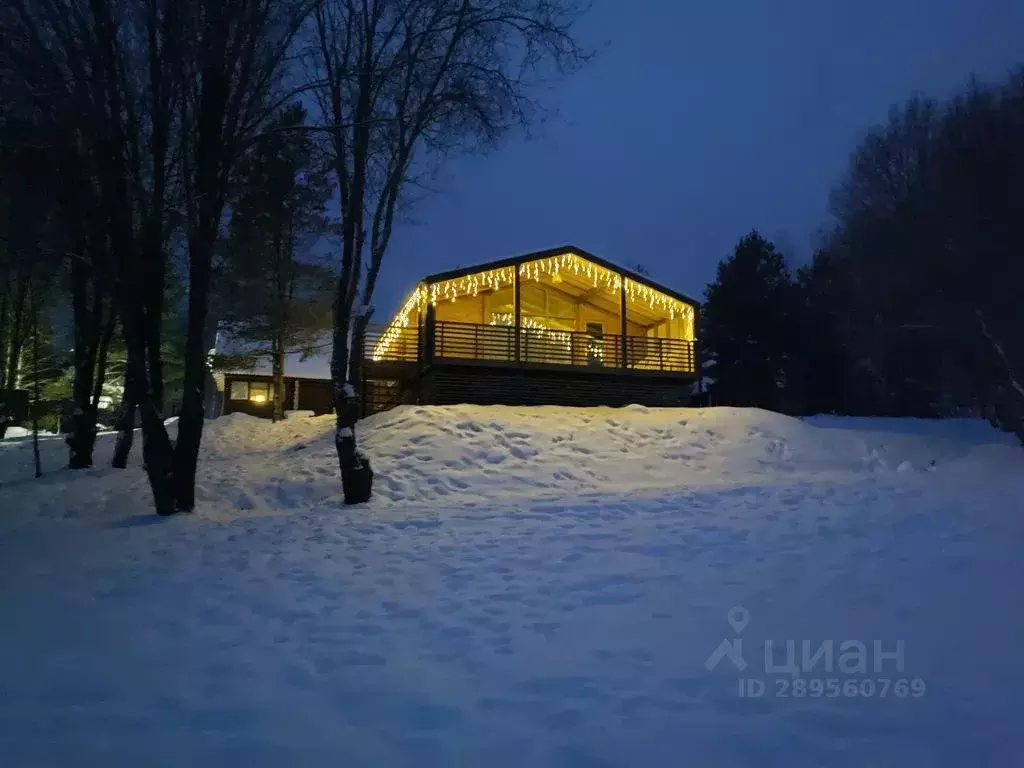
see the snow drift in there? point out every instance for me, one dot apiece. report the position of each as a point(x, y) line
point(471, 455)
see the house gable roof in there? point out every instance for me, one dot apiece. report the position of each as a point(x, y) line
point(548, 253)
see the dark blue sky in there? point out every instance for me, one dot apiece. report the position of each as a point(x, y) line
point(700, 120)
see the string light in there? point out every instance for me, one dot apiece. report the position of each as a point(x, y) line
point(399, 323)
point(638, 293)
point(540, 329)
point(471, 285)
point(554, 267)
point(570, 263)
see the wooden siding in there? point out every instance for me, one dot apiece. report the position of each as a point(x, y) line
point(314, 395)
point(454, 384)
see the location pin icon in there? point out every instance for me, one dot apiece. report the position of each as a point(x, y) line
point(738, 617)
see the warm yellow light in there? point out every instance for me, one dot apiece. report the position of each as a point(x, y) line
point(413, 303)
point(552, 334)
point(638, 293)
point(553, 266)
point(450, 290)
point(471, 285)
point(258, 397)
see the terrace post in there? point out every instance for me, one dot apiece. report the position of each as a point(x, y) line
point(518, 312)
point(429, 329)
point(622, 318)
point(695, 349)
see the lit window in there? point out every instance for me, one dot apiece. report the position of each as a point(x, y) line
point(260, 392)
point(239, 390)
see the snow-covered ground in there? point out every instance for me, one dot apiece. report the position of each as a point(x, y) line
point(533, 586)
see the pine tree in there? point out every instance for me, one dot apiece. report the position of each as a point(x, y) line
point(276, 296)
point(749, 333)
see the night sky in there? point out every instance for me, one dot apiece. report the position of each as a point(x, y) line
point(699, 121)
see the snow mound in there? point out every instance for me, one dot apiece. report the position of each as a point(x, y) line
point(475, 452)
point(469, 456)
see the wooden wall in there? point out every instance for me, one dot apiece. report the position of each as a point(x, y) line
point(314, 395)
point(454, 384)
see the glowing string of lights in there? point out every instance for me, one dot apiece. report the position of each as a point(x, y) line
point(398, 324)
point(570, 263)
point(554, 267)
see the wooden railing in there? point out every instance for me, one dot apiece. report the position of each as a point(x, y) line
point(392, 344)
point(651, 354)
point(497, 343)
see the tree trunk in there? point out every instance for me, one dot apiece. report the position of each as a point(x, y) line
point(4, 301)
point(278, 413)
point(152, 330)
point(356, 475)
point(35, 384)
point(102, 353)
point(82, 437)
point(190, 419)
point(17, 334)
point(157, 456)
point(355, 362)
point(157, 450)
point(125, 424)
point(4, 410)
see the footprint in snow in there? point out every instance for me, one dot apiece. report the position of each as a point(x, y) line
point(523, 452)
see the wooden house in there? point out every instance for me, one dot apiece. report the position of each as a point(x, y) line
point(555, 327)
point(307, 385)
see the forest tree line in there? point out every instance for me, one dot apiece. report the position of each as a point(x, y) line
point(911, 306)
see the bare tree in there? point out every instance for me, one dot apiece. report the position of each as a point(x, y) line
point(229, 74)
point(147, 104)
point(401, 85)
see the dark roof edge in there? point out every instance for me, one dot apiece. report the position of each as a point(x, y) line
point(548, 253)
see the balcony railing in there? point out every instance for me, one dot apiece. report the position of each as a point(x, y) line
point(497, 343)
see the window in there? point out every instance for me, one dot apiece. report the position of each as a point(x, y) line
point(260, 392)
point(239, 390)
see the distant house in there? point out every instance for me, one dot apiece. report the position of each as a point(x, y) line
point(307, 386)
point(555, 327)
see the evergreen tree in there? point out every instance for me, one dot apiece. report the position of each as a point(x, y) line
point(276, 298)
point(749, 333)
point(822, 360)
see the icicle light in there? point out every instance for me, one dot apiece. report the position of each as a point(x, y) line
point(471, 285)
point(551, 334)
point(638, 293)
point(399, 323)
point(553, 267)
point(570, 263)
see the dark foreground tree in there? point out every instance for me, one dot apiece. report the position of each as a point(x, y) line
point(402, 85)
point(139, 100)
point(232, 59)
